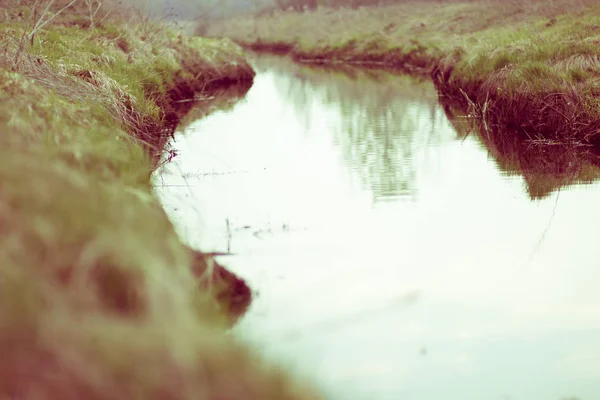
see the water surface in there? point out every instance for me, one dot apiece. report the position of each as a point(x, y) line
point(391, 255)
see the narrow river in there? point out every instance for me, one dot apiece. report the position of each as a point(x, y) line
point(391, 256)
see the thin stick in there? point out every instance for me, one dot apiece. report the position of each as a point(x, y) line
point(35, 19)
point(52, 17)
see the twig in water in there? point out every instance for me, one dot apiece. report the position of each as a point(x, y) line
point(228, 234)
point(546, 229)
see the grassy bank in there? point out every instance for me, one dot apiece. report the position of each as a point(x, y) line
point(525, 68)
point(99, 299)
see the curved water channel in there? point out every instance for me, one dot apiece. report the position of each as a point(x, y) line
point(391, 256)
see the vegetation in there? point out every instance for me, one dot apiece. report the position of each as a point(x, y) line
point(408, 34)
point(99, 299)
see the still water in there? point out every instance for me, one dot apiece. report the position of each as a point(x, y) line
point(391, 256)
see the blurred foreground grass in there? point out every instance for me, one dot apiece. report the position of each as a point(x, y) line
point(99, 299)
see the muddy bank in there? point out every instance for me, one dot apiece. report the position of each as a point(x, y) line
point(232, 294)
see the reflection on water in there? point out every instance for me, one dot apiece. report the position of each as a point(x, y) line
point(381, 129)
point(457, 286)
point(544, 166)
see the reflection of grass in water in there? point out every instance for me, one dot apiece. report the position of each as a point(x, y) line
point(380, 114)
point(545, 166)
point(221, 100)
point(364, 98)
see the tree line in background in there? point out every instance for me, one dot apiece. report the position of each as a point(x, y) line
point(302, 5)
point(189, 10)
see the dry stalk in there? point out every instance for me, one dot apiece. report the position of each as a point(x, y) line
point(39, 21)
point(91, 11)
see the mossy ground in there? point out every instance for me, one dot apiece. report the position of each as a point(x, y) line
point(99, 299)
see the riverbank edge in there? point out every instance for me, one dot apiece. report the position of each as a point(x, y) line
point(174, 99)
point(393, 60)
point(230, 291)
point(484, 94)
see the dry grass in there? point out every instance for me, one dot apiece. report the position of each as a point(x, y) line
point(99, 298)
